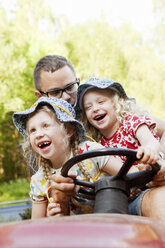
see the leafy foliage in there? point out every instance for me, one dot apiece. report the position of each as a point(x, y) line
point(95, 49)
point(159, 31)
point(14, 190)
point(26, 215)
point(21, 47)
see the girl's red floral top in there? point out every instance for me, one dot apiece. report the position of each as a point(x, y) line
point(125, 136)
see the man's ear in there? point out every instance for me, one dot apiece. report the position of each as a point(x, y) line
point(37, 94)
point(78, 79)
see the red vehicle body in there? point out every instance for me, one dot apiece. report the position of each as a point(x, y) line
point(90, 230)
point(104, 228)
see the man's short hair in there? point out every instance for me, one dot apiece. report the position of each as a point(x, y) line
point(50, 63)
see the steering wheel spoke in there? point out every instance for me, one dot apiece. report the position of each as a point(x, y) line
point(111, 193)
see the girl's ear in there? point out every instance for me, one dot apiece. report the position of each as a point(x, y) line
point(70, 130)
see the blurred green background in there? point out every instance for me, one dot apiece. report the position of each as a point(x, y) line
point(95, 48)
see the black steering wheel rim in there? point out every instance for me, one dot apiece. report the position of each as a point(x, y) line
point(122, 174)
point(129, 153)
point(112, 192)
point(130, 159)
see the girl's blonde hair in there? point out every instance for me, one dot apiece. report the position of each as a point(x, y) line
point(123, 107)
point(34, 159)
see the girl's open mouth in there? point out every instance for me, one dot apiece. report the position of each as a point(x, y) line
point(99, 117)
point(44, 144)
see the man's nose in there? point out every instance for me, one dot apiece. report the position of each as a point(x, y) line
point(65, 96)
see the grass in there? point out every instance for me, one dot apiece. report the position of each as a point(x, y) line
point(14, 190)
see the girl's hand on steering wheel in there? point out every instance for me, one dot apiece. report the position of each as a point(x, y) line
point(63, 188)
point(54, 209)
point(147, 155)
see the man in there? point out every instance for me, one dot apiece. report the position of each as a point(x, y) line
point(55, 76)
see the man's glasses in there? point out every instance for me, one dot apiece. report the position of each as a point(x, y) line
point(69, 89)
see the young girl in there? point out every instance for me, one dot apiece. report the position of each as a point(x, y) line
point(114, 120)
point(52, 136)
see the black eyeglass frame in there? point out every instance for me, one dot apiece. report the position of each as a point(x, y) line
point(58, 90)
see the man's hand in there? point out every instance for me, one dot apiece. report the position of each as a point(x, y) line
point(159, 178)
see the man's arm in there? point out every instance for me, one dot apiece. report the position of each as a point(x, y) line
point(160, 132)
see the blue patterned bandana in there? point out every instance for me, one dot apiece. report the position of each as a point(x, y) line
point(64, 112)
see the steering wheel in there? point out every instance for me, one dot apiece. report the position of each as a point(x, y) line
point(114, 187)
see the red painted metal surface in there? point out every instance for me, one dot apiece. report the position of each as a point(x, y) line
point(94, 230)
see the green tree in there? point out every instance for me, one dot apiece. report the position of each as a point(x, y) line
point(23, 41)
point(159, 31)
point(97, 49)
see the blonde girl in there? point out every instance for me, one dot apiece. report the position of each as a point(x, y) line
point(115, 120)
point(52, 136)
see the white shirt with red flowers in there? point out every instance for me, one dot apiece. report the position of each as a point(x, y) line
point(125, 136)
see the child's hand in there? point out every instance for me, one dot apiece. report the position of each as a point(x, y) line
point(63, 188)
point(54, 209)
point(147, 155)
